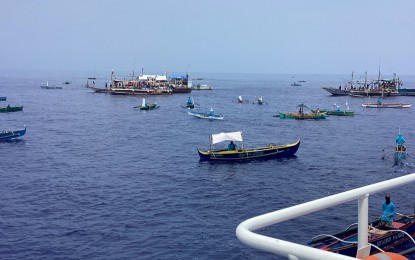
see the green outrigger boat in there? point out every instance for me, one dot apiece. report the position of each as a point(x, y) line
point(301, 115)
point(336, 112)
point(10, 109)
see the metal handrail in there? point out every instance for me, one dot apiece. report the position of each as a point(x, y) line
point(294, 251)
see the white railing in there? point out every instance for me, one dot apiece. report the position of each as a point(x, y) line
point(294, 251)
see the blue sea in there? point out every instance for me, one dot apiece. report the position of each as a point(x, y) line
point(94, 178)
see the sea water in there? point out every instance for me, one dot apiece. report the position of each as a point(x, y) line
point(94, 178)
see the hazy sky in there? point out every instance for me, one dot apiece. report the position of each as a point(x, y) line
point(271, 36)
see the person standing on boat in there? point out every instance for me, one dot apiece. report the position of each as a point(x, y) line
point(379, 101)
point(231, 146)
point(388, 212)
point(190, 101)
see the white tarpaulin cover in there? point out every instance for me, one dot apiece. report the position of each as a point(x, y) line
point(233, 136)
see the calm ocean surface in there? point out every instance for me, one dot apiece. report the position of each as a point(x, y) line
point(94, 178)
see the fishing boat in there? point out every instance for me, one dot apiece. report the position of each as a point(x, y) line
point(9, 135)
point(337, 91)
point(145, 106)
point(380, 238)
point(295, 84)
point(399, 151)
point(3, 98)
point(387, 105)
point(272, 151)
point(50, 87)
point(180, 83)
point(190, 104)
point(10, 109)
point(203, 115)
point(201, 87)
point(301, 114)
point(336, 112)
point(260, 101)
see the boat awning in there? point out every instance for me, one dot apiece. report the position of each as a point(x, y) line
point(183, 77)
point(232, 136)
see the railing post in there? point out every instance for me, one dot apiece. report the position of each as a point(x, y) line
point(363, 216)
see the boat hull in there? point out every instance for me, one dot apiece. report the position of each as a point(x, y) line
point(149, 107)
point(299, 116)
point(10, 109)
point(335, 113)
point(9, 135)
point(206, 116)
point(271, 151)
point(336, 91)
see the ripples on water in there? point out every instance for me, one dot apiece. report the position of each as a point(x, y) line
point(95, 178)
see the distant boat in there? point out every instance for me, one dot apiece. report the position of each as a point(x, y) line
point(296, 84)
point(3, 98)
point(386, 105)
point(67, 82)
point(202, 87)
point(9, 135)
point(301, 114)
point(50, 87)
point(211, 115)
point(272, 151)
point(145, 106)
point(336, 112)
point(10, 109)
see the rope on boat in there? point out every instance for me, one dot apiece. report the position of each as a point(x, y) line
point(351, 225)
point(348, 242)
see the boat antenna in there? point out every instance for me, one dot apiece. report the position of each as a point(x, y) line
point(134, 66)
point(142, 70)
point(379, 71)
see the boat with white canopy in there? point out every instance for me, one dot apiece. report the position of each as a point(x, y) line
point(272, 151)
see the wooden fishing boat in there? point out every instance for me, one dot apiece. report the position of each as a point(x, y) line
point(3, 98)
point(301, 114)
point(336, 112)
point(10, 109)
point(272, 151)
point(9, 135)
point(384, 238)
point(145, 106)
point(204, 115)
point(387, 105)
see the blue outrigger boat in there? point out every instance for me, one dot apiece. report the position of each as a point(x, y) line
point(9, 135)
point(3, 98)
point(399, 151)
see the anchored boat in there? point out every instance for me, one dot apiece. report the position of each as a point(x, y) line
point(301, 114)
point(272, 151)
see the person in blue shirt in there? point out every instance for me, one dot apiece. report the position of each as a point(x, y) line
point(231, 146)
point(190, 101)
point(389, 211)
